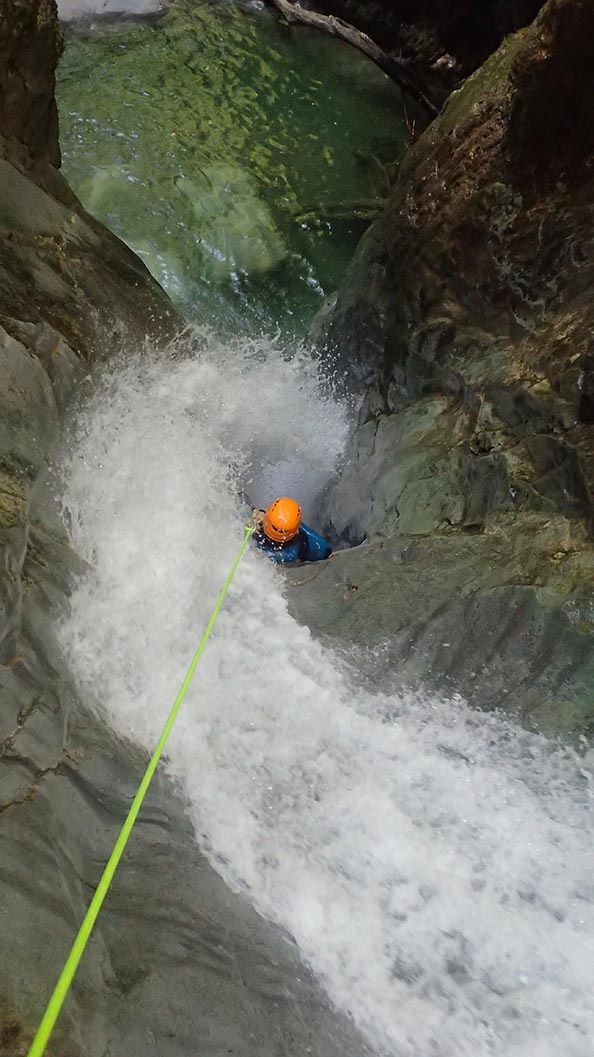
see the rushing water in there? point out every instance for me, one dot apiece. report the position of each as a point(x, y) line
point(237, 157)
point(435, 865)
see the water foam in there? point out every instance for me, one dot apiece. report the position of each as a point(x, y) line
point(434, 865)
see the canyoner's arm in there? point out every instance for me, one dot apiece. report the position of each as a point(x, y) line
point(255, 519)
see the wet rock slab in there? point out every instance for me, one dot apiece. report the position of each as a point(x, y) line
point(472, 614)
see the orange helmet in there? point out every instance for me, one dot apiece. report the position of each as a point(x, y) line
point(282, 520)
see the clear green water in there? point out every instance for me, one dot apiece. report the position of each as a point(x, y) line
point(204, 136)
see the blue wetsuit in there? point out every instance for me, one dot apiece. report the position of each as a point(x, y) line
point(306, 546)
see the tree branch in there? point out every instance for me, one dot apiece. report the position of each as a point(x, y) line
point(337, 28)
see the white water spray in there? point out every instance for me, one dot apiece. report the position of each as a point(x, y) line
point(434, 864)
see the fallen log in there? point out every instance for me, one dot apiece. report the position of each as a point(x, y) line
point(336, 27)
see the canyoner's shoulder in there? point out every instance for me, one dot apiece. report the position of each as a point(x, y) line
point(315, 547)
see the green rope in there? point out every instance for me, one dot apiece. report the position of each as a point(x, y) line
point(56, 1001)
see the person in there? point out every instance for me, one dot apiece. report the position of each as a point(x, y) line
point(283, 536)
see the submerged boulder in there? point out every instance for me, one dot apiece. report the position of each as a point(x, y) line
point(467, 319)
point(235, 230)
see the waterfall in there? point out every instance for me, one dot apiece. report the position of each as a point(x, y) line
point(433, 864)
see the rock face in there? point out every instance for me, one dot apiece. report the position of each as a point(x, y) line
point(468, 315)
point(178, 964)
point(30, 46)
